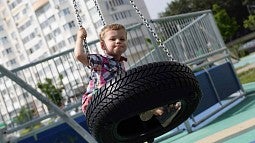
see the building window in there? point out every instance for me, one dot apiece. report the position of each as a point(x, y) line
point(137, 41)
point(71, 39)
point(35, 47)
point(121, 15)
point(4, 40)
point(31, 51)
point(56, 32)
point(1, 28)
point(48, 37)
point(38, 45)
point(16, 17)
point(14, 4)
point(44, 24)
point(59, 1)
point(13, 35)
point(98, 24)
point(7, 51)
point(89, 31)
point(93, 11)
point(61, 44)
point(11, 63)
point(24, 26)
point(24, 11)
point(28, 38)
point(51, 19)
point(69, 25)
point(83, 18)
point(64, 12)
point(114, 3)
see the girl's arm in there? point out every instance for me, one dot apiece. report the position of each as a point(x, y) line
point(79, 53)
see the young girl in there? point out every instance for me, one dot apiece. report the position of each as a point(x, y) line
point(113, 41)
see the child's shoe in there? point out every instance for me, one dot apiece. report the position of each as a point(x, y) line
point(145, 116)
point(169, 113)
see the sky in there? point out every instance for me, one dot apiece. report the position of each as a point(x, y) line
point(156, 6)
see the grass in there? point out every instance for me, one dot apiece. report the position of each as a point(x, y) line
point(247, 76)
point(241, 67)
point(30, 129)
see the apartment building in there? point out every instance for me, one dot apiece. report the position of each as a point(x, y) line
point(34, 29)
point(31, 30)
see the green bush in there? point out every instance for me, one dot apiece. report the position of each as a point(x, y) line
point(25, 115)
point(247, 76)
point(53, 92)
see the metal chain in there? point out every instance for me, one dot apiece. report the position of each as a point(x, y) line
point(78, 17)
point(99, 12)
point(146, 23)
point(77, 13)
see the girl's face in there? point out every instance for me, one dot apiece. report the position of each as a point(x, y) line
point(114, 43)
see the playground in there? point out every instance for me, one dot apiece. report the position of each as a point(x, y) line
point(225, 112)
point(234, 126)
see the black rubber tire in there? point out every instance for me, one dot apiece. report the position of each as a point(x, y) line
point(113, 114)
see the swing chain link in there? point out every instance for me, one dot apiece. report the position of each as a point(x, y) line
point(146, 23)
point(99, 12)
point(85, 44)
point(77, 13)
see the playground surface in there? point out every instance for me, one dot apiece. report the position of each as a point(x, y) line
point(237, 125)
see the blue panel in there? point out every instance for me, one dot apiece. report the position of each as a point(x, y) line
point(62, 133)
point(225, 80)
point(28, 140)
point(208, 94)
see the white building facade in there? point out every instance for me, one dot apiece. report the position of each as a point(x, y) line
point(31, 30)
point(34, 29)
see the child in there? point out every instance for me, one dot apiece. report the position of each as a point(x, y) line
point(113, 41)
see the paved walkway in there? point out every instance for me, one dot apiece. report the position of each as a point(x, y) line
point(246, 68)
point(235, 126)
point(245, 61)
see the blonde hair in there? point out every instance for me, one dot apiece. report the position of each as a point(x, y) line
point(111, 27)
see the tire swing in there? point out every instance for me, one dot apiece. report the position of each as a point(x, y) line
point(113, 114)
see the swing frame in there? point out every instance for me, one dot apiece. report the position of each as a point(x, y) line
point(113, 114)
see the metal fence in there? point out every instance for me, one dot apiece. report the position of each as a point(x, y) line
point(191, 38)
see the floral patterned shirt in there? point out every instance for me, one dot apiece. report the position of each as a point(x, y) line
point(103, 69)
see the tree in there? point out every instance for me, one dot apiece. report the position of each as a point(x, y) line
point(234, 8)
point(177, 7)
point(227, 25)
point(245, 2)
point(54, 93)
point(250, 22)
point(187, 6)
point(25, 115)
